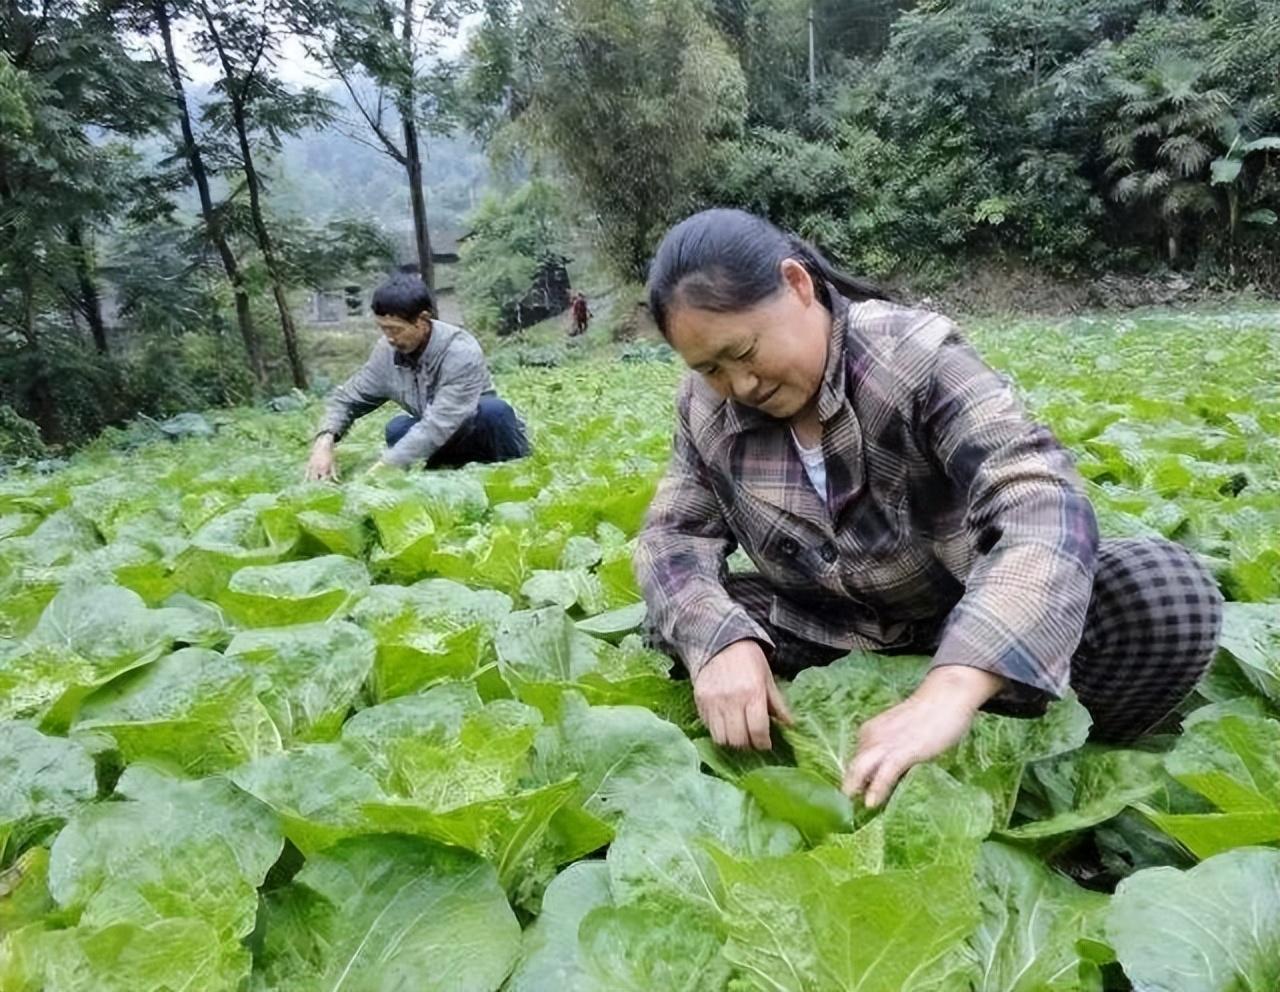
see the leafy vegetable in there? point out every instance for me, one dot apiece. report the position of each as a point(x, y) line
point(1232, 758)
point(1251, 635)
point(194, 710)
point(1040, 932)
point(431, 632)
point(256, 734)
point(1087, 787)
point(832, 702)
point(1224, 933)
point(379, 913)
point(308, 676)
point(85, 637)
point(294, 592)
point(42, 781)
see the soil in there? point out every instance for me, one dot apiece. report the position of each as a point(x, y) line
point(1000, 291)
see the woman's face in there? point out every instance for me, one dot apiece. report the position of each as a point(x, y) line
point(770, 356)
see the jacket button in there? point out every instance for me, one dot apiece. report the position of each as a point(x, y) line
point(788, 546)
point(828, 552)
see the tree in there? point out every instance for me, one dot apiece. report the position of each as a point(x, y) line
point(1161, 142)
point(771, 39)
point(629, 96)
point(387, 55)
point(71, 98)
point(1237, 173)
point(193, 155)
point(242, 38)
point(511, 238)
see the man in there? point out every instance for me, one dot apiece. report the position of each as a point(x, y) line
point(434, 371)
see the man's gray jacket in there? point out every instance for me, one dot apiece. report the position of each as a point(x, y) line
point(441, 386)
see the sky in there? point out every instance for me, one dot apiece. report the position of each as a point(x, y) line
point(294, 67)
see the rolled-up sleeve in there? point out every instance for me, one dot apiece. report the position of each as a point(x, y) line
point(681, 561)
point(463, 379)
point(363, 393)
point(1023, 610)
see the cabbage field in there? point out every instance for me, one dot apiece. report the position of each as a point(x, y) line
point(399, 735)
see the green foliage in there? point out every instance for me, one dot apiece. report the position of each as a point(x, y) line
point(124, 869)
point(45, 780)
point(63, 386)
point(1076, 138)
point(320, 254)
point(19, 437)
point(1227, 938)
point(627, 96)
point(380, 912)
point(63, 69)
point(192, 371)
point(510, 238)
point(1163, 140)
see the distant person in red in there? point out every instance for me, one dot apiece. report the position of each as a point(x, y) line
point(581, 315)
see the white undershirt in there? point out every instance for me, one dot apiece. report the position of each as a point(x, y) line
point(815, 466)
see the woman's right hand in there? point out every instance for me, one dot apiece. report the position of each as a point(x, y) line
point(736, 696)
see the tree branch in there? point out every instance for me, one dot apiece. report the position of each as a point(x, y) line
point(352, 129)
point(388, 146)
point(29, 47)
point(257, 56)
point(217, 45)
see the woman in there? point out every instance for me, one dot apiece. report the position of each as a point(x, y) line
point(894, 497)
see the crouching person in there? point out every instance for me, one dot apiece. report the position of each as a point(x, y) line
point(436, 373)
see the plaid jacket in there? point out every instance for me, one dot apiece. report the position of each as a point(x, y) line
point(949, 518)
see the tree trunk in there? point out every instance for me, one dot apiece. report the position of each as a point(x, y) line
point(89, 303)
point(29, 310)
point(212, 223)
point(235, 95)
point(39, 397)
point(413, 157)
point(418, 201)
point(287, 327)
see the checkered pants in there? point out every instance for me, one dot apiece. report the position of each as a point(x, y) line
point(1150, 633)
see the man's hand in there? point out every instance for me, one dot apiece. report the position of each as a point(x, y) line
point(736, 695)
point(321, 466)
point(932, 719)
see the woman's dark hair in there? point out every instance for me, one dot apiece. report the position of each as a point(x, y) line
point(404, 295)
point(729, 260)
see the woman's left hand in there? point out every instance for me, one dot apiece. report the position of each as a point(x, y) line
point(932, 719)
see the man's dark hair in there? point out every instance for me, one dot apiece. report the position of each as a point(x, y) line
point(404, 296)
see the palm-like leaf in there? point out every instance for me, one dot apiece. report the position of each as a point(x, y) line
point(1154, 183)
point(1187, 198)
point(1129, 188)
point(1186, 153)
